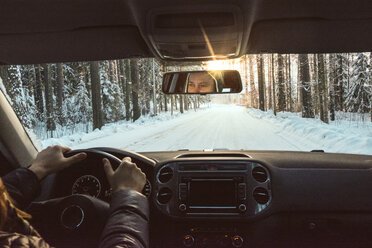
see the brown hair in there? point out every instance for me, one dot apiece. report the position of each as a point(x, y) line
point(5, 204)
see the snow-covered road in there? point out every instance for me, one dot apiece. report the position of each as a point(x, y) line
point(230, 127)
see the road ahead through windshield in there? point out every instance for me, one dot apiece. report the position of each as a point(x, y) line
point(218, 127)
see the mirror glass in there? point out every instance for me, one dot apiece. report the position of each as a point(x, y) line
point(202, 82)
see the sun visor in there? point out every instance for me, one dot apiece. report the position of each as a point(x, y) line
point(215, 32)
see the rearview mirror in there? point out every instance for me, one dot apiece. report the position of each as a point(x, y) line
point(202, 82)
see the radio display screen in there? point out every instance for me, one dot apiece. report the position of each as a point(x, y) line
point(219, 193)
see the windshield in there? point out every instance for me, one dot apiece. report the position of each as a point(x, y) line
point(289, 102)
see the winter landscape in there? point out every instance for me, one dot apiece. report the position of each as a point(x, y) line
point(289, 102)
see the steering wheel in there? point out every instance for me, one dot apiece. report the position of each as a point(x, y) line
point(75, 220)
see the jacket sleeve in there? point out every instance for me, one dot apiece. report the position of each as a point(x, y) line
point(127, 225)
point(22, 185)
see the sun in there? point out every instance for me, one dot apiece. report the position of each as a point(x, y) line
point(216, 65)
point(225, 64)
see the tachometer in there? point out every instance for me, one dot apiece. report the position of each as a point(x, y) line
point(87, 185)
point(146, 190)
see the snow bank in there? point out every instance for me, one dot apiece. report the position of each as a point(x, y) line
point(341, 136)
point(110, 130)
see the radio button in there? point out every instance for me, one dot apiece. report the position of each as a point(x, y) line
point(242, 208)
point(237, 241)
point(182, 191)
point(242, 191)
point(188, 241)
point(182, 207)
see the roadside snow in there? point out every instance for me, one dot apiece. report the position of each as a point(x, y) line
point(226, 126)
point(340, 136)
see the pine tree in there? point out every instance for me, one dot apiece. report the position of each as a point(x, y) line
point(83, 111)
point(281, 85)
point(358, 95)
point(22, 103)
point(111, 94)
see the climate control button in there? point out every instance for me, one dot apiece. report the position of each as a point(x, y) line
point(188, 241)
point(237, 241)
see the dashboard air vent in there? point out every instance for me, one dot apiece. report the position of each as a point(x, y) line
point(261, 195)
point(164, 195)
point(259, 174)
point(201, 155)
point(165, 174)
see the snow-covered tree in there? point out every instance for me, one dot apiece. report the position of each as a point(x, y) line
point(112, 97)
point(358, 93)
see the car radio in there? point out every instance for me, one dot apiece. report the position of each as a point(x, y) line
point(212, 188)
point(201, 194)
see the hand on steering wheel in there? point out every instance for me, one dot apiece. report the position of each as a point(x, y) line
point(126, 176)
point(52, 160)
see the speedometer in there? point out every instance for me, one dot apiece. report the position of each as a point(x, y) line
point(87, 185)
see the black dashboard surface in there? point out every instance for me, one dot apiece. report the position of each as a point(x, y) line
point(316, 199)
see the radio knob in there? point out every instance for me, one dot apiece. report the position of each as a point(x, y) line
point(237, 241)
point(182, 207)
point(188, 241)
point(242, 208)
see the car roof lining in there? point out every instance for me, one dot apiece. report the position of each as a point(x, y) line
point(82, 30)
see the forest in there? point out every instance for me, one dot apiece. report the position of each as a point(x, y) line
point(316, 85)
point(59, 99)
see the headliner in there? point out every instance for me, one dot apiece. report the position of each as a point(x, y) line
point(42, 31)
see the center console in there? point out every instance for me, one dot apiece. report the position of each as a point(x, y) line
point(210, 200)
point(207, 189)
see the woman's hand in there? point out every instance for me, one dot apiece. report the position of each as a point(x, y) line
point(51, 160)
point(126, 176)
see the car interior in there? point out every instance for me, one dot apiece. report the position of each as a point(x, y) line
point(216, 198)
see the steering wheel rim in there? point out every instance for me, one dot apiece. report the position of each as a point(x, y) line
point(94, 212)
point(115, 161)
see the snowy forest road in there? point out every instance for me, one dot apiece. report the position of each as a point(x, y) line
point(219, 127)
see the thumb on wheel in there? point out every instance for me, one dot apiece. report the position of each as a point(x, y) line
point(76, 158)
point(107, 167)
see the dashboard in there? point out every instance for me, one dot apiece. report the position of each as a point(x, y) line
point(242, 198)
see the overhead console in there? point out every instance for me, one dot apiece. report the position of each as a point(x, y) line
point(235, 189)
point(196, 33)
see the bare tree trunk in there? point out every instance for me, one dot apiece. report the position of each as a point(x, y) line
point(39, 100)
point(307, 110)
point(171, 97)
point(269, 88)
point(261, 82)
point(181, 104)
point(332, 83)
point(281, 84)
point(186, 103)
point(316, 85)
point(59, 91)
point(96, 95)
point(165, 103)
point(128, 82)
point(51, 126)
point(154, 102)
point(134, 76)
point(289, 85)
point(273, 78)
point(322, 89)
point(251, 81)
